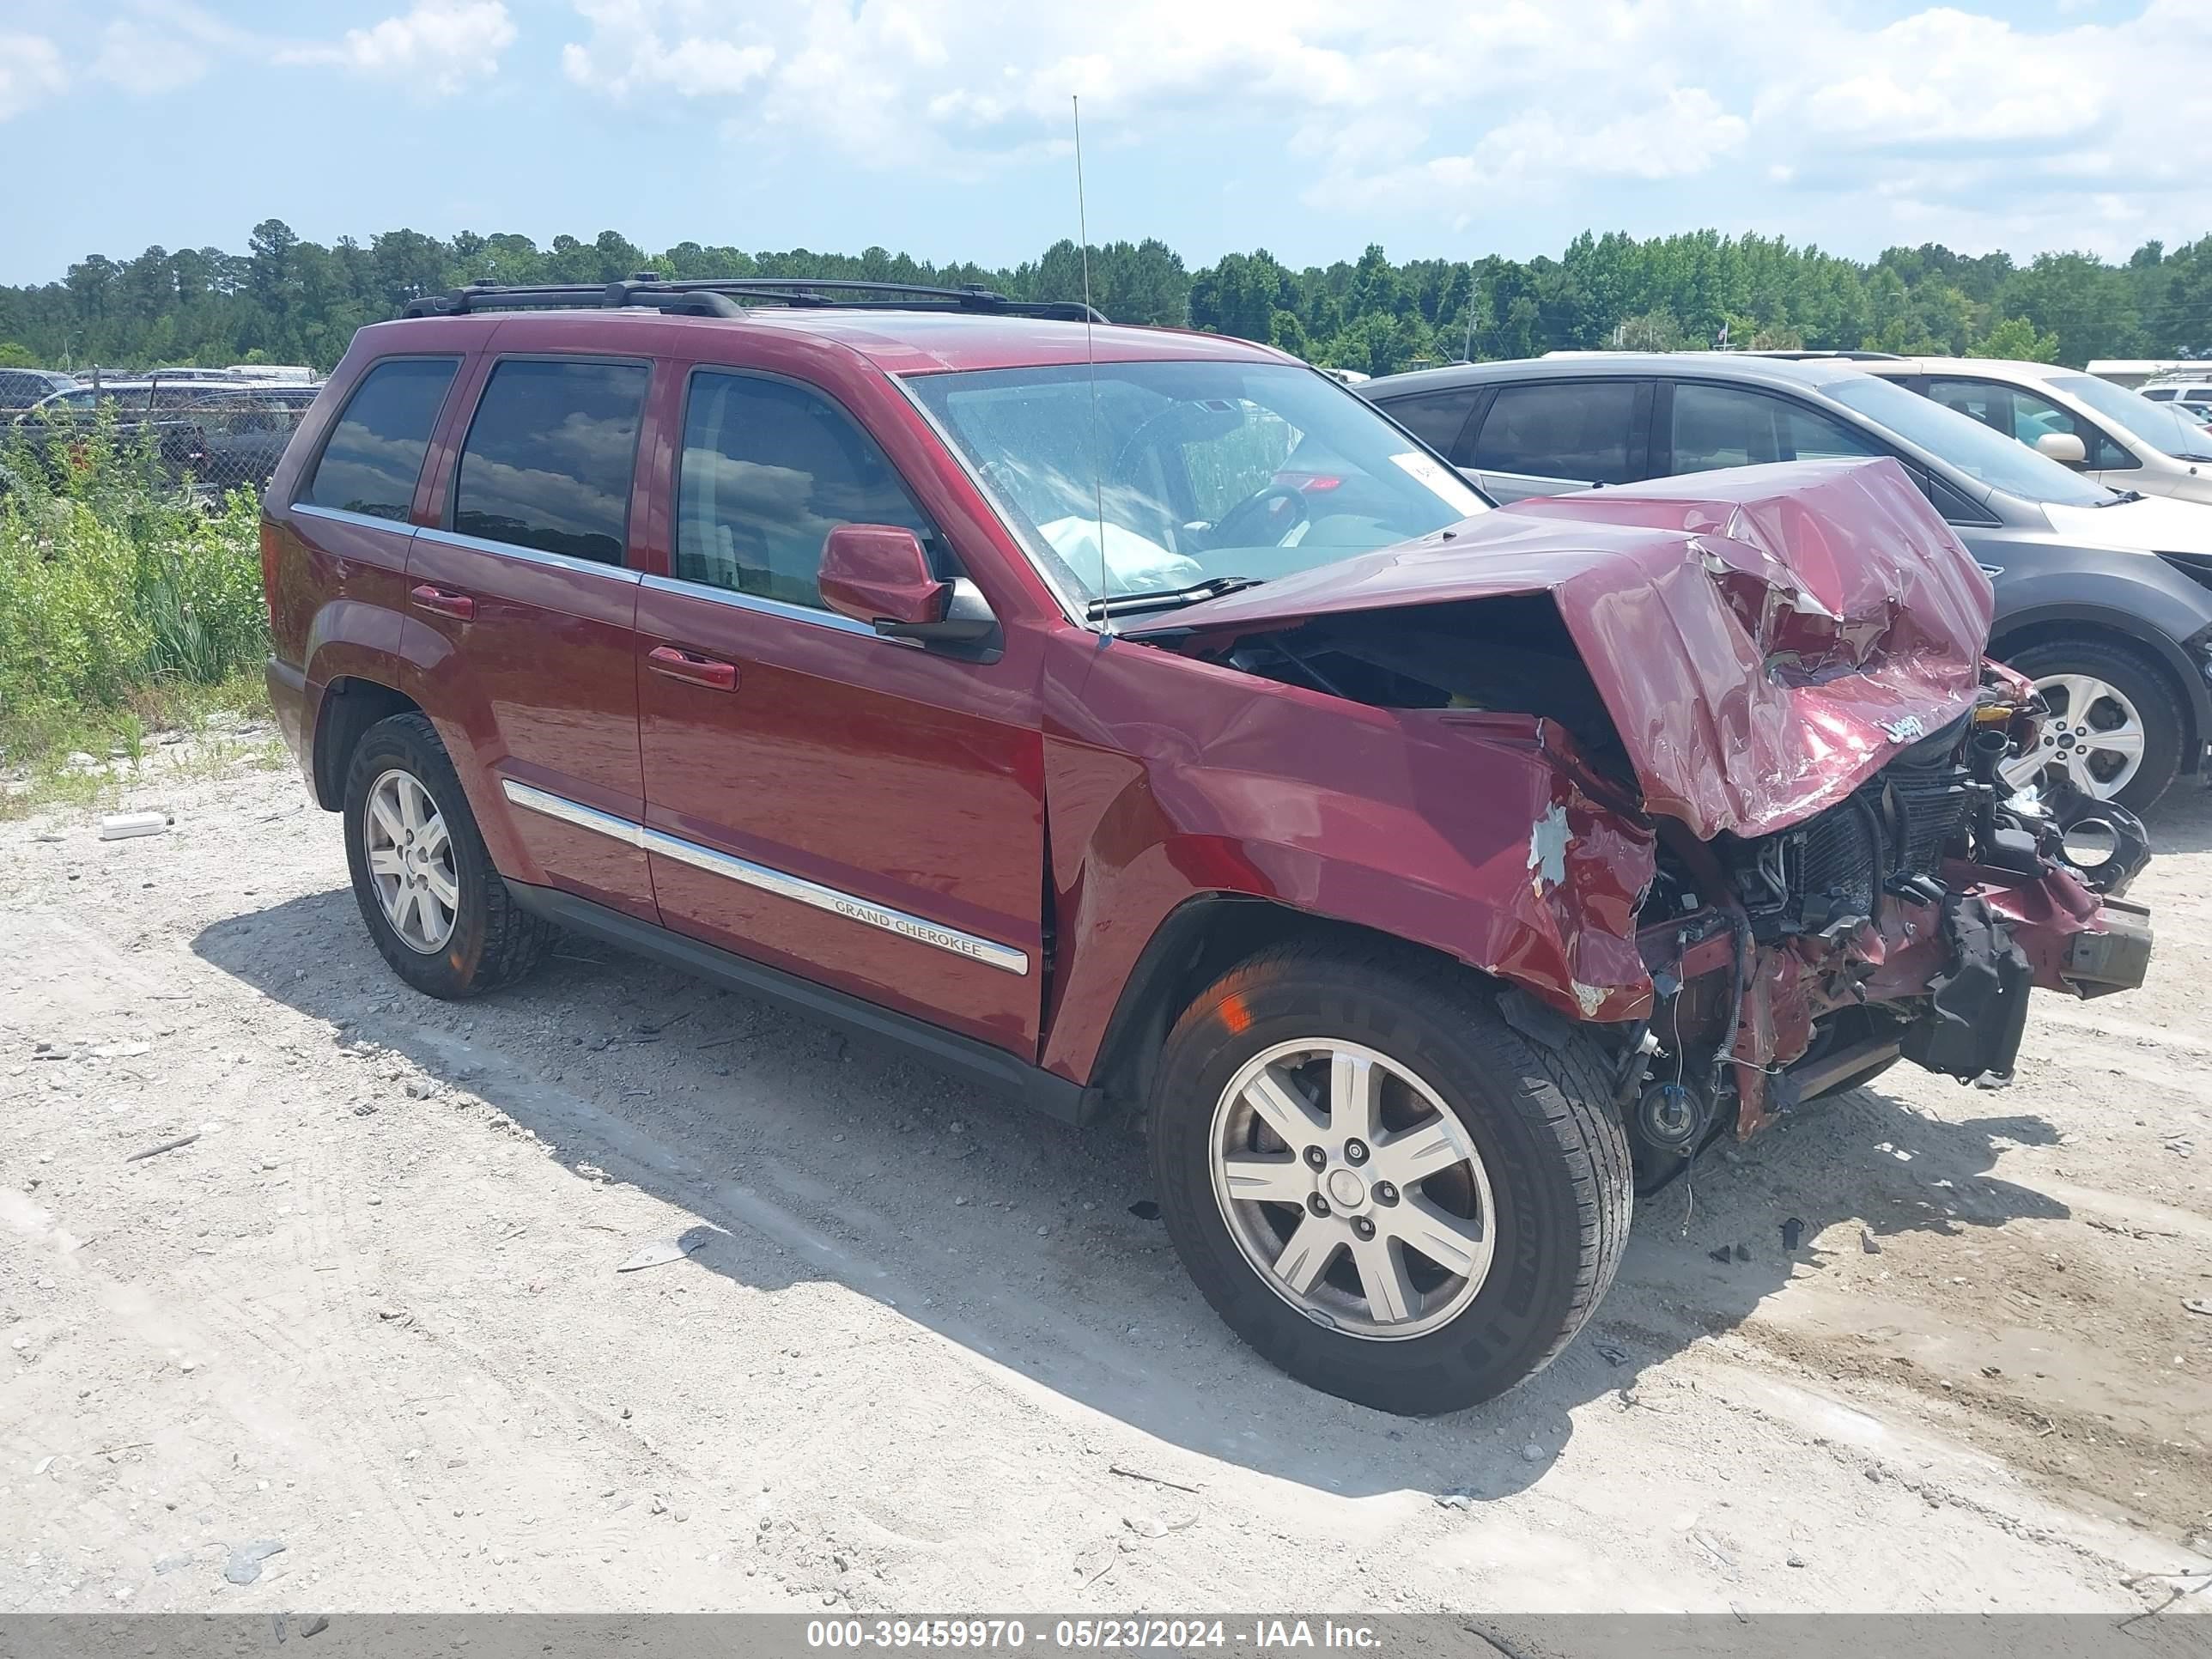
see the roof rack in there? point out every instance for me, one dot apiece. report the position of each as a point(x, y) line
point(712, 297)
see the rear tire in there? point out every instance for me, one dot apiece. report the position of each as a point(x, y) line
point(1542, 1178)
point(2137, 679)
point(470, 937)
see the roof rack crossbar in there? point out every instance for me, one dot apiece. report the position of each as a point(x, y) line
point(711, 297)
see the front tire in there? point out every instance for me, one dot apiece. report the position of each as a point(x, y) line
point(437, 909)
point(1379, 1184)
point(2116, 725)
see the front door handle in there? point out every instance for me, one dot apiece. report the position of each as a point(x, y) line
point(692, 668)
point(443, 600)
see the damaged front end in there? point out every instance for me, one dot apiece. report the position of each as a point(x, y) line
point(1772, 681)
point(1909, 920)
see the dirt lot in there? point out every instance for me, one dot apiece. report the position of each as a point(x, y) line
point(925, 1357)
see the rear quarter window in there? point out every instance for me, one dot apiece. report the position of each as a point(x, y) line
point(374, 453)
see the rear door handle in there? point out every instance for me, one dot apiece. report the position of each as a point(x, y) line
point(444, 601)
point(692, 668)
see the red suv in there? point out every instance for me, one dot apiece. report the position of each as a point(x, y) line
point(1133, 717)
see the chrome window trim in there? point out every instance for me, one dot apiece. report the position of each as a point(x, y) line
point(1072, 611)
point(992, 954)
point(346, 515)
point(688, 589)
point(533, 555)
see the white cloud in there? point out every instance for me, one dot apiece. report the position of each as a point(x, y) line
point(440, 46)
point(629, 53)
point(143, 61)
point(30, 72)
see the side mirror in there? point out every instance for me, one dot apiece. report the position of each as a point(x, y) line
point(877, 573)
point(2065, 447)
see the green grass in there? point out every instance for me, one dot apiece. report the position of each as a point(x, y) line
point(126, 608)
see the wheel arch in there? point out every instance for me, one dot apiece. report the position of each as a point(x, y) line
point(350, 705)
point(1197, 942)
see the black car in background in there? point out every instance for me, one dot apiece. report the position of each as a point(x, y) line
point(2104, 598)
point(243, 431)
point(21, 388)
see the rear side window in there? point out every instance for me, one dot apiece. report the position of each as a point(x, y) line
point(1576, 429)
point(550, 456)
point(375, 451)
point(769, 469)
point(1436, 419)
point(1723, 426)
point(2160, 394)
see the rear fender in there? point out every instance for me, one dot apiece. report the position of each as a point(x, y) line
point(366, 643)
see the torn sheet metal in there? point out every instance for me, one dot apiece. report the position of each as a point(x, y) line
point(1760, 637)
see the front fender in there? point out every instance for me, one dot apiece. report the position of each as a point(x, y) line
point(1466, 833)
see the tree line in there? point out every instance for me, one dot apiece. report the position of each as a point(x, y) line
point(286, 300)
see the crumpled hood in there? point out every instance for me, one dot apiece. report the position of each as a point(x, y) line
point(1764, 638)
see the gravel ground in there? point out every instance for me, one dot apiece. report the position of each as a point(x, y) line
point(364, 1343)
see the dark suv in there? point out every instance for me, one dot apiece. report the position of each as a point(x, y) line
point(1130, 717)
point(2104, 598)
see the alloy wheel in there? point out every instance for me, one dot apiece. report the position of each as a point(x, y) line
point(1352, 1189)
point(411, 861)
point(2094, 729)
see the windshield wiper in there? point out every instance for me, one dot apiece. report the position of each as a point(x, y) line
point(1168, 598)
point(2122, 497)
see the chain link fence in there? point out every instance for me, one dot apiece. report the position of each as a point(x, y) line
point(207, 434)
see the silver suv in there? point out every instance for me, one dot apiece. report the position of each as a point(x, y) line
point(2103, 597)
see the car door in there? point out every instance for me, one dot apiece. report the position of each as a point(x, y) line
point(524, 605)
point(851, 808)
point(1549, 437)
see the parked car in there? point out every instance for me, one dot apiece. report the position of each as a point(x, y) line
point(2105, 432)
point(242, 434)
point(56, 426)
point(21, 388)
point(2104, 599)
point(1135, 717)
point(2194, 387)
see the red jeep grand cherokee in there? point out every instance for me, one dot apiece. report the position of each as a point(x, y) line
point(1135, 716)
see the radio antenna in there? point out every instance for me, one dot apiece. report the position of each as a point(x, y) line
point(1090, 366)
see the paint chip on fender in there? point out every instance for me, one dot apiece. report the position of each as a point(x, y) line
point(1548, 848)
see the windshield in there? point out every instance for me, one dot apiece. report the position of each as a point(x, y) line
point(1966, 443)
point(1199, 470)
point(2159, 425)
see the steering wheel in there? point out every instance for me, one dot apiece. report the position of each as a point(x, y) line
point(1265, 512)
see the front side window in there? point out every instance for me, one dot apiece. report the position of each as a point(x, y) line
point(1724, 426)
point(769, 470)
point(374, 454)
point(2166, 429)
point(1576, 429)
point(1143, 477)
point(1438, 418)
point(549, 457)
point(1987, 456)
point(2021, 414)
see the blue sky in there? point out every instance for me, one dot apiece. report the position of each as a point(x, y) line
point(940, 127)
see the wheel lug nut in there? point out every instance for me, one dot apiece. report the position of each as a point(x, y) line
point(1315, 1156)
point(1362, 1227)
point(1317, 1204)
point(1385, 1193)
point(1355, 1152)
